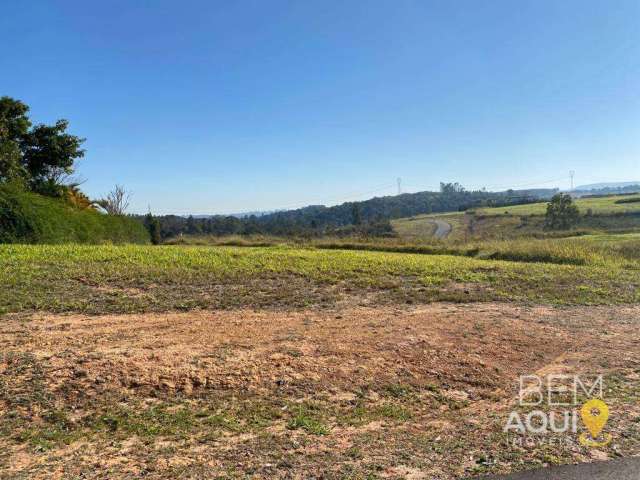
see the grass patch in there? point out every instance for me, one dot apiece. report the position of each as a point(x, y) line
point(307, 418)
point(363, 413)
point(599, 205)
point(151, 422)
point(100, 279)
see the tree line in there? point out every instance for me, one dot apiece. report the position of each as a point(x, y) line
point(369, 217)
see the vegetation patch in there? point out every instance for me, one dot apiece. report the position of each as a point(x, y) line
point(133, 278)
point(628, 200)
point(27, 217)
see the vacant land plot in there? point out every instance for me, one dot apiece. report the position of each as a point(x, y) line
point(352, 392)
point(289, 362)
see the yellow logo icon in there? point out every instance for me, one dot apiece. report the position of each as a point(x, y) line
point(595, 414)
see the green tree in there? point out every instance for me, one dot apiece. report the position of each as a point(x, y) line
point(192, 226)
point(14, 125)
point(49, 153)
point(428, 208)
point(450, 188)
point(562, 213)
point(39, 157)
point(152, 224)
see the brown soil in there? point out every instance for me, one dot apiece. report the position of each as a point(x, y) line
point(453, 368)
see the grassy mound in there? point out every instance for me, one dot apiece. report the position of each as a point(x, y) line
point(30, 218)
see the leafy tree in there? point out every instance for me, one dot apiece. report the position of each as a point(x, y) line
point(152, 224)
point(450, 188)
point(39, 157)
point(428, 208)
point(48, 155)
point(192, 226)
point(562, 213)
point(14, 125)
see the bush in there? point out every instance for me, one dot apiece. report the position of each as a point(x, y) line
point(562, 214)
point(152, 224)
point(27, 217)
point(628, 200)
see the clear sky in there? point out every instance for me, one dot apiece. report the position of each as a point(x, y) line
point(229, 106)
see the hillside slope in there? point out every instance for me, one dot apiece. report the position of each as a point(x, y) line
point(598, 205)
point(30, 218)
point(617, 213)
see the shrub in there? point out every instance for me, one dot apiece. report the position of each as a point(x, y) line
point(628, 200)
point(152, 224)
point(561, 214)
point(27, 217)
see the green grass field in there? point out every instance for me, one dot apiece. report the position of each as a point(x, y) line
point(604, 205)
point(98, 279)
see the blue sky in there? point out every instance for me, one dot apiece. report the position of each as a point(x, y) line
point(228, 106)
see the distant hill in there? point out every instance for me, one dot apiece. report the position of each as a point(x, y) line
point(257, 213)
point(452, 198)
point(612, 188)
point(614, 185)
point(320, 219)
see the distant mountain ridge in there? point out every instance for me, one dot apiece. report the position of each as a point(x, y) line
point(606, 188)
point(599, 186)
point(257, 213)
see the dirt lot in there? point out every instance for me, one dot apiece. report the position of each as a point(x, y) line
point(352, 392)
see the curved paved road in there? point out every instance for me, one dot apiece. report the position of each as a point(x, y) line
point(442, 228)
point(622, 469)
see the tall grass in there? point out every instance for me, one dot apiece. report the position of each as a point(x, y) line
point(543, 251)
point(583, 249)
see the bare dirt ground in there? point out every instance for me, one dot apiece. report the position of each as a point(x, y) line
point(355, 392)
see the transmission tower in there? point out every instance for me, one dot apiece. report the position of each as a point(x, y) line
point(571, 174)
point(399, 185)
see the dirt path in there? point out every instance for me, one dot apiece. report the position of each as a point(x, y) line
point(442, 228)
point(394, 392)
